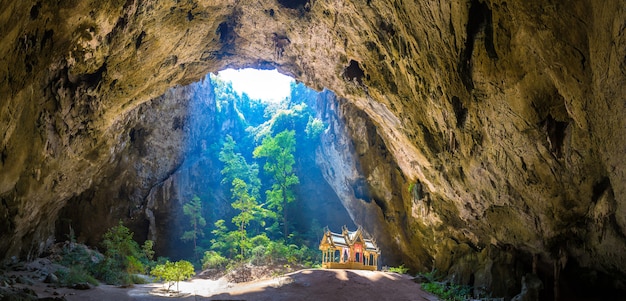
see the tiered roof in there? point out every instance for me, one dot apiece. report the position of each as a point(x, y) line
point(347, 238)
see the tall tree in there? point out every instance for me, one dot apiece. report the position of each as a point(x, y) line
point(247, 207)
point(236, 167)
point(224, 241)
point(193, 210)
point(278, 152)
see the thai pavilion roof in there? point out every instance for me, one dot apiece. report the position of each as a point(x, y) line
point(347, 238)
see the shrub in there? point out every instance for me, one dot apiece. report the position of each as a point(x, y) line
point(75, 275)
point(430, 276)
point(447, 291)
point(260, 240)
point(213, 260)
point(79, 254)
point(134, 265)
point(258, 255)
point(82, 264)
point(109, 271)
point(119, 243)
point(123, 257)
point(276, 251)
point(399, 269)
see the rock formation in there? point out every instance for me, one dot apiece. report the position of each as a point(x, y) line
point(488, 132)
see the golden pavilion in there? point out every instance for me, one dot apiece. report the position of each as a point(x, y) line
point(349, 250)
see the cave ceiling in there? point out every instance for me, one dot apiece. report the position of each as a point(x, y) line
point(477, 124)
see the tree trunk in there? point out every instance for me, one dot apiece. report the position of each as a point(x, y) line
point(285, 227)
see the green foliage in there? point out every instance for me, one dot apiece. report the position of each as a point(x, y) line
point(399, 269)
point(134, 265)
point(444, 290)
point(74, 254)
point(314, 128)
point(411, 186)
point(122, 257)
point(260, 240)
point(247, 207)
point(119, 244)
point(75, 275)
point(430, 276)
point(213, 260)
point(236, 167)
point(225, 241)
point(110, 271)
point(246, 231)
point(278, 152)
point(447, 291)
point(81, 262)
point(173, 272)
point(193, 211)
point(278, 252)
point(147, 249)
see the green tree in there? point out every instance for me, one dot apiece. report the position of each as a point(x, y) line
point(224, 241)
point(314, 128)
point(278, 152)
point(173, 272)
point(193, 210)
point(122, 257)
point(236, 167)
point(247, 207)
point(147, 249)
point(213, 260)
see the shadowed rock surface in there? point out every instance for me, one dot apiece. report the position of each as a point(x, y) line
point(488, 135)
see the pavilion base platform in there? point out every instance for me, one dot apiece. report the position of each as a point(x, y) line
point(348, 266)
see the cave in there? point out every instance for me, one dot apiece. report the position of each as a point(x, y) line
point(509, 116)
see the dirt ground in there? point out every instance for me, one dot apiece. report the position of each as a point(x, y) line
point(314, 284)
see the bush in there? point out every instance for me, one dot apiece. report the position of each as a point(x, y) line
point(213, 260)
point(110, 272)
point(447, 291)
point(123, 257)
point(400, 269)
point(75, 275)
point(258, 255)
point(78, 254)
point(134, 265)
point(276, 251)
point(260, 240)
point(82, 264)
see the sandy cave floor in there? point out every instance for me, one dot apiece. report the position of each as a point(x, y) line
point(313, 284)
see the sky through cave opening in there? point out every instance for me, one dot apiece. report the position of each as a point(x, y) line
point(265, 85)
point(253, 185)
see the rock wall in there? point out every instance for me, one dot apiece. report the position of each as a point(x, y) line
point(488, 132)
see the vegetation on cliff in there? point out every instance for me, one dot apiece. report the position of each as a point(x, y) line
point(260, 228)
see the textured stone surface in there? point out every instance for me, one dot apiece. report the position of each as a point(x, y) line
point(488, 133)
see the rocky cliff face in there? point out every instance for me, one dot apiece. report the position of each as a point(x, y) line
point(488, 132)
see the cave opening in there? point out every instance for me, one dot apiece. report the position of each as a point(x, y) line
point(244, 130)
